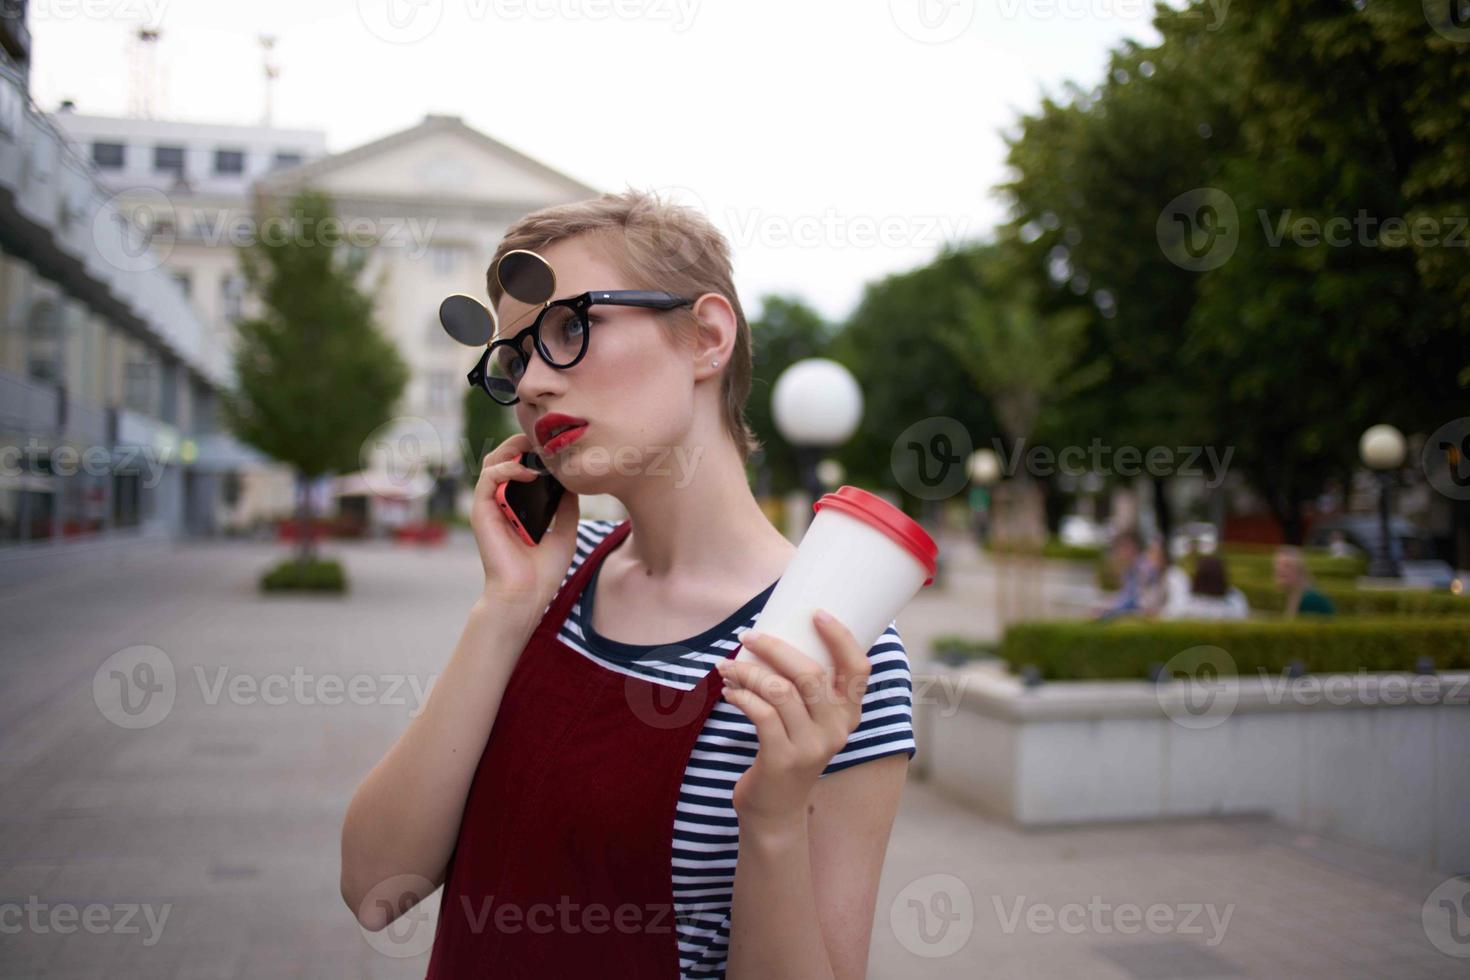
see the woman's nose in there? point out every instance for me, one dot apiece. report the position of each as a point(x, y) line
point(538, 380)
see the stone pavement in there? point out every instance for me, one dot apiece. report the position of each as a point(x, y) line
point(193, 831)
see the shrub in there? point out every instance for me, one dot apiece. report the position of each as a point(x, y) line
point(322, 575)
point(1053, 548)
point(1074, 650)
point(1255, 561)
point(1264, 596)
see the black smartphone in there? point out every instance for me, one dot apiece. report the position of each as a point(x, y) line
point(529, 505)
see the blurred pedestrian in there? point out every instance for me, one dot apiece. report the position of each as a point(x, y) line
point(1338, 546)
point(1158, 578)
point(1292, 577)
point(1125, 557)
point(1208, 594)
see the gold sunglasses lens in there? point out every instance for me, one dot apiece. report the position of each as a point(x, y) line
point(526, 277)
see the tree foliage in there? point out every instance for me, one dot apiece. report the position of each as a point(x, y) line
point(1303, 117)
point(314, 373)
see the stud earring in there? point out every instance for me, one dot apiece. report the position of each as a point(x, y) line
point(714, 363)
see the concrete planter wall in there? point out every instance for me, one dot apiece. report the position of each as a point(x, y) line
point(1379, 759)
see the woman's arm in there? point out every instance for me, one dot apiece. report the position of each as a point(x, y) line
point(811, 850)
point(804, 895)
point(404, 819)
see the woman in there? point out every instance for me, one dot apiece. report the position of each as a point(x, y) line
point(1208, 595)
point(1289, 568)
point(591, 762)
point(1158, 577)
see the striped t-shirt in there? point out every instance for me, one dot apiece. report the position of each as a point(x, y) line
point(705, 833)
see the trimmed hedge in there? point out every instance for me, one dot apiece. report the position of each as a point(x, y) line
point(1053, 548)
point(1127, 649)
point(1264, 596)
point(323, 575)
point(1255, 561)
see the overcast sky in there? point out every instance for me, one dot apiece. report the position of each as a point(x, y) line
point(833, 142)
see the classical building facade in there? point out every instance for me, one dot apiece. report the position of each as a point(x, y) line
point(435, 198)
point(439, 196)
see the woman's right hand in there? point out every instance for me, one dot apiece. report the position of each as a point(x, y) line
point(517, 574)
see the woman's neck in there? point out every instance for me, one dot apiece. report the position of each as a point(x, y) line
point(700, 520)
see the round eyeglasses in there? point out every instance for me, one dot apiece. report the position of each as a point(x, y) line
point(560, 335)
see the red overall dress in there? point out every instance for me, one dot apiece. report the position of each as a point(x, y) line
point(563, 867)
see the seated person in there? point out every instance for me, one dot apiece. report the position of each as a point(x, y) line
point(1290, 568)
point(1207, 596)
point(1131, 566)
point(1159, 576)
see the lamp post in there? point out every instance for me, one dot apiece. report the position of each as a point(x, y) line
point(984, 470)
point(830, 474)
point(1381, 448)
point(816, 405)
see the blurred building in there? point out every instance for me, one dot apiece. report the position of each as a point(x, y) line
point(436, 198)
point(187, 187)
point(108, 375)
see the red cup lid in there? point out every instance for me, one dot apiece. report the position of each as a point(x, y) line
point(886, 518)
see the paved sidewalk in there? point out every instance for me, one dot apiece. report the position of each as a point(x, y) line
point(223, 813)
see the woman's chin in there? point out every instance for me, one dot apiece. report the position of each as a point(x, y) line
point(572, 470)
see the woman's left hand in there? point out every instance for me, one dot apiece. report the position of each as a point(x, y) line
point(803, 715)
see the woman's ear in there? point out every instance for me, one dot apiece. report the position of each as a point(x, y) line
point(716, 327)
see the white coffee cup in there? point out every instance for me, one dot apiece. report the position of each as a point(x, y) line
point(861, 559)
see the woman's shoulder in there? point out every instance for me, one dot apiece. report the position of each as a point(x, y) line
point(886, 726)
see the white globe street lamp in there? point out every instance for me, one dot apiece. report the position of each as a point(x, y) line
point(817, 402)
point(1382, 448)
point(816, 405)
point(984, 467)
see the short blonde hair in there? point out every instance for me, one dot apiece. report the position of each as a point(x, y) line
point(654, 244)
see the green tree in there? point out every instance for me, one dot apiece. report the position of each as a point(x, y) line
point(1292, 110)
point(487, 423)
point(1022, 357)
point(890, 344)
point(314, 373)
